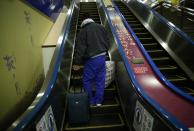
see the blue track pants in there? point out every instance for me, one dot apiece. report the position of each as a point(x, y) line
point(94, 72)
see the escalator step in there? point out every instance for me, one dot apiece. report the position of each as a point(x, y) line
point(130, 18)
point(146, 39)
point(135, 25)
point(161, 60)
point(176, 78)
point(168, 67)
point(98, 121)
point(189, 90)
point(168, 70)
point(139, 29)
point(156, 53)
point(109, 105)
point(151, 46)
point(132, 21)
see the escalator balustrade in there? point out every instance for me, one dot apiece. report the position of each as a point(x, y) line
point(161, 58)
point(182, 16)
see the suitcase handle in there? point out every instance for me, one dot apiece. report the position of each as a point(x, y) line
point(74, 81)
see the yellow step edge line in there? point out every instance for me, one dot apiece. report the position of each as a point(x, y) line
point(169, 67)
point(177, 79)
point(137, 25)
point(141, 32)
point(131, 17)
point(90, 127)
point(138, 28)
point(181, 77)
point(150, 43)
point(189, 89)
point(145, 38)
point(161, 58)
point(154, 50)
point(133, 21)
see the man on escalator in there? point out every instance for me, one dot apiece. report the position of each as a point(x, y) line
point(91, 47)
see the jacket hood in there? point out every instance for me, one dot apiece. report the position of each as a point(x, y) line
point(86, 21)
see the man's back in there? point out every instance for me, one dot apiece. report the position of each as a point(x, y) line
point(96, 37)
point(93, 38)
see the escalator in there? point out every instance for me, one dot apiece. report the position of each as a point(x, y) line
point(109, 116)
point(187, 3)
point(161, 58)
point(182, 16)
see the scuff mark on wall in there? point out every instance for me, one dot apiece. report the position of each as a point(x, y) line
point(27, 17)
point(28, 20)
point(18, 89)
point(9, 62)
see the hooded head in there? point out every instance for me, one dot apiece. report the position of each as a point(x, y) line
point(86, 19)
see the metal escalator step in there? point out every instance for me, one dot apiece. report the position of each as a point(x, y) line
point(129, 18)
point(169, 70)
point(191, 93)
point(88, 5)
point(139, 29)
point(88, 9)
point(98, 121)
point(154, 51)
point(132, 22)
point(109, 102)
point(109, 105)
point(146, 39)
point(157, 53)
point(135, 25)
point(168, 67)
point(161, 60)
point(91, 11)
point(188, 90)
point(123, 9)
point(127, 14)
point(177, 80)
point(150, 46)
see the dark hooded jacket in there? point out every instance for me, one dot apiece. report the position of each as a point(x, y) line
point(91, 40)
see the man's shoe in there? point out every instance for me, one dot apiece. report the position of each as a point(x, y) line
point(98, 105)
